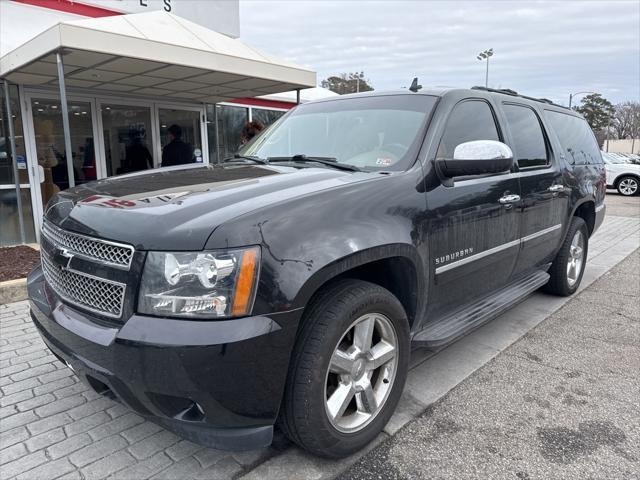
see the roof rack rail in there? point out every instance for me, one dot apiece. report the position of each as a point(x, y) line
point(506, 91)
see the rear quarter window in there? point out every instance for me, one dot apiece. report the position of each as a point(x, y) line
point(576, 138)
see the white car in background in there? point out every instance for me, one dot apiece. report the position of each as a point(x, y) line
point(622, 174)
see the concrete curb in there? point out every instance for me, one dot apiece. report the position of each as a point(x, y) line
point(13, 291)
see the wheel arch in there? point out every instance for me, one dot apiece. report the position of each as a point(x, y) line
point(587, 211)
point(396, 267)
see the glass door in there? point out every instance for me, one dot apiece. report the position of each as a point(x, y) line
point(9, 213)
point(127, 134)
point(181, 135)
point(49, 143)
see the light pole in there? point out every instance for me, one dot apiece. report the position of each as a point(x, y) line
point(571, 95)
point(482, 56)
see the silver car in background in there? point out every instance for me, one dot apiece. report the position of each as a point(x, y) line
point(623, 173)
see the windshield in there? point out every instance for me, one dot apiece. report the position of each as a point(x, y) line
point(373, 133)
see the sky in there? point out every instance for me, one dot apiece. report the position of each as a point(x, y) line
point(542, 49)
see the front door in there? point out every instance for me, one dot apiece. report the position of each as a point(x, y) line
point(48, 144)
point(473, 225)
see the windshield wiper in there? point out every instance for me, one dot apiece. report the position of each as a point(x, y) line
point(328, 161)
point(250, 158)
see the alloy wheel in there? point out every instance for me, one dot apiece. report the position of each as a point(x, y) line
point(576, 258)
point(628, 186)
point(361, 373)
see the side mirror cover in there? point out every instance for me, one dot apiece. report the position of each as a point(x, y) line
point(478, 157)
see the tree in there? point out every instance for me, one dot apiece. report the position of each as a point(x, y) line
point(626, 120)
point(347, 83)
point(597, 111)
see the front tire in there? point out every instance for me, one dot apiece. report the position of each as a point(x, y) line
point(568, 267)
point(348, 369)
point(628, 186)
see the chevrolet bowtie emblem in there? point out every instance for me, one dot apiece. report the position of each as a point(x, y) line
point(62, 257)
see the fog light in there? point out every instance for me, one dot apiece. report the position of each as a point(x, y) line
point(204, 304)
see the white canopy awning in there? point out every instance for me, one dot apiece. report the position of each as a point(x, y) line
point(151, 54)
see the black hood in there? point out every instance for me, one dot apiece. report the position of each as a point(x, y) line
point(178, 208)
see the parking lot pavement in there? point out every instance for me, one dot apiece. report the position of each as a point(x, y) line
point(52, 426)
point(620, 206)
point(563, 402)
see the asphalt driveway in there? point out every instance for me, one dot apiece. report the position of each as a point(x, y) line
point(563, 402)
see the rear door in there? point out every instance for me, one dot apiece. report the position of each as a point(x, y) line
point(543, 191)
point(473, 235)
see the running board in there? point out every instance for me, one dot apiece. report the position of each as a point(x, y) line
point(471, 316)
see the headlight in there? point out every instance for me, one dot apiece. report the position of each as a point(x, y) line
point(199, 284)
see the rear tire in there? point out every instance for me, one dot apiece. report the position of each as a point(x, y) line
point(336, 399)
point(628, 186)
point(568, 267)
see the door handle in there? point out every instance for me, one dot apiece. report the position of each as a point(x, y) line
point(508, 199)
point(556, 188)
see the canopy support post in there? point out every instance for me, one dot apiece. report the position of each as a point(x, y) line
point(215, 120)
point(297, 96)
point(68, 153)
point(14, 160)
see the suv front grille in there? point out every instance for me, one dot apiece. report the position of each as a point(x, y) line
point(103, 251)
point(97, 294)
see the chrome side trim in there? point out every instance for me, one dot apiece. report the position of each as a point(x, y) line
point(499, 248)
point(477, 256)
point(541, 232)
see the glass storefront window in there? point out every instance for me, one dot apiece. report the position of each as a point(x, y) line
point(264, 116)
point(47, 123)
point(9, 218)
point(6, 167)
point(180, 136)
point(127, 138)
point(231, 121)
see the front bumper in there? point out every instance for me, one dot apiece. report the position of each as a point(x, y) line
point(217, 383)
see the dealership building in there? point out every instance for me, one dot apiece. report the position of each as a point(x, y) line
point(127, 70)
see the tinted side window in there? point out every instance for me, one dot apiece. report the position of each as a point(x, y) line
point(471, 120)
point(529, 146)
point(578, 143)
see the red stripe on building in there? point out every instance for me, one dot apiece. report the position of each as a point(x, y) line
point(70, 6)
point(263, 102)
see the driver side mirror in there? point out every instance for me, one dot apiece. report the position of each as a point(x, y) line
point(479, 157)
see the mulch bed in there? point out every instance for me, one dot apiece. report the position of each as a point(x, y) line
point(17, 262)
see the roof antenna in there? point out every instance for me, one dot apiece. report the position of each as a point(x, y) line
point(414, 85)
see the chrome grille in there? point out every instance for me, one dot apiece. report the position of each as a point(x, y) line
point(111, 253)
point(92, 293)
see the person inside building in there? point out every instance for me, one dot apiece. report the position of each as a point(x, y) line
point(250, 130)
point(176, 152)
point(137, 155)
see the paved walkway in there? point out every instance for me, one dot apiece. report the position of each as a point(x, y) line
point(52, 426)
point(563, 402)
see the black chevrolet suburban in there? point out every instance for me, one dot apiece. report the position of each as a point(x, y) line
point(288, 284)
